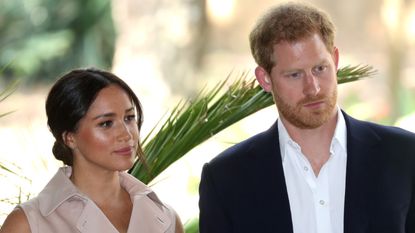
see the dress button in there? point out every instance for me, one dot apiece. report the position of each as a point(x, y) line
point(305, 168)
point(321, 202)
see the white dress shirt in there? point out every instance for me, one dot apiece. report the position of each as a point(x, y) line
point(316, 203)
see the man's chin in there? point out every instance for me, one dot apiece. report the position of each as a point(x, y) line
point(311, 120)
point(308, 124)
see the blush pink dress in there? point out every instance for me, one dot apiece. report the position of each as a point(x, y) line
point(61, 208)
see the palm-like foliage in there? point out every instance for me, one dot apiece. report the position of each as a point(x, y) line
point(3, 95)
point(194, 121)
point(6, 93)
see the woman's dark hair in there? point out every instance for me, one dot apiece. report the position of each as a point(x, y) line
point(69, 100)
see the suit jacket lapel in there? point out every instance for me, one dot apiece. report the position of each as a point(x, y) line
point(360, 173)
point(361, 141)
point(274, 180)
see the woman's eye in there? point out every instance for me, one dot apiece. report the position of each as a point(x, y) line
point(130, 118)
point(105, 124)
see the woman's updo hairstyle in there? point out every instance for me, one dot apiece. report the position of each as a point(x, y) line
point(69, 100)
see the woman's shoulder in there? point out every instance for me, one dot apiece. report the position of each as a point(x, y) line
point(17, 222)
point(178, 225)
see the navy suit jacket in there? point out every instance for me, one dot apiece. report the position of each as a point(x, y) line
point(243, 189)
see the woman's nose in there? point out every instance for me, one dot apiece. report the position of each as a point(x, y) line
point(124, 133)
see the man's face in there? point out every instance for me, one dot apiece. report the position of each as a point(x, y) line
point(303, 82)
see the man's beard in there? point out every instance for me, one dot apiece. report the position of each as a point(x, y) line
point(304, 119)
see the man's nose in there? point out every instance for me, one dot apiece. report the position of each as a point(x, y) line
point(311, 85)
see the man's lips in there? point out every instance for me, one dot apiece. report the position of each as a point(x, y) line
point(314, 104)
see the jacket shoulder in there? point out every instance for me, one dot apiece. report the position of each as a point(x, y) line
point(383, 132)
point(258, 145)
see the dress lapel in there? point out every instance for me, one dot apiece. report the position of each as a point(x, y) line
point(149, 216)
point(93, 220)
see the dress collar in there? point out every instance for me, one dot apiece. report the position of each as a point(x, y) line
point(60, 189)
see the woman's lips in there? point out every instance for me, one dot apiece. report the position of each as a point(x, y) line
point(124, 151)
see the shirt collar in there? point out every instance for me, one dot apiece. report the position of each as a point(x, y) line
point(60, 189)
point(284, 138)
point(340, 134)
point(338, 137)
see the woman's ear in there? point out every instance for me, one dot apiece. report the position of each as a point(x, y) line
point(69, 140)
point(263, 78)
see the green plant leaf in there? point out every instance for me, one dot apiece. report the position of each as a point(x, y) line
point(8, 90)
point(6, 93)
point(354, 73)
point(192, 226)
point(194, 121)
point(3, 167)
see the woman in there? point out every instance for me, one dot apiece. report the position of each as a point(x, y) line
point(95, 118)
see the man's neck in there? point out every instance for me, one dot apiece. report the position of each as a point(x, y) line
point(315, 143)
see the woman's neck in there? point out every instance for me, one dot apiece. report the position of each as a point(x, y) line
point(100, 186)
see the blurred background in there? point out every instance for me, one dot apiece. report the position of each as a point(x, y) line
point(168, 50)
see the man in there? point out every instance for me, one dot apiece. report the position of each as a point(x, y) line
point(316, 170)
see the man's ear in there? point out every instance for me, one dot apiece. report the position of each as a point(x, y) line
point(263, 78)
point(69, 140)
point(336, 57)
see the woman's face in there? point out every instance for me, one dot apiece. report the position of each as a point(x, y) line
point(107, 136)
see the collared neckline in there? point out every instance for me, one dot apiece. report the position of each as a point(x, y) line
point(60, 189)
point(340, 135)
